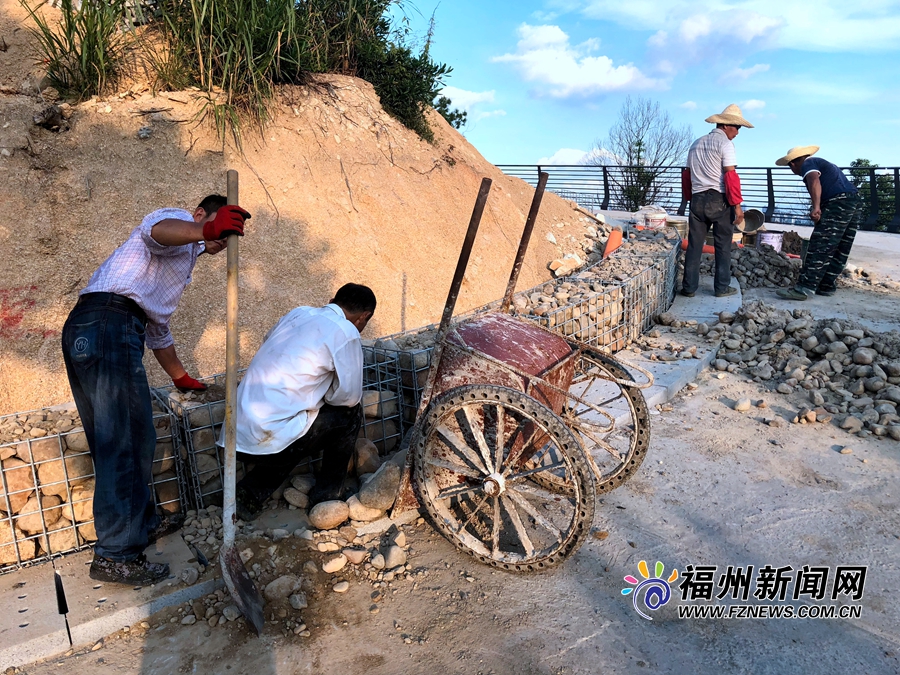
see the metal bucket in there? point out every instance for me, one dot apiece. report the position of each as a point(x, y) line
point(773, 239)
point(753, 220)
point(680, 223)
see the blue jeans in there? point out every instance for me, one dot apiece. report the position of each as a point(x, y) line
point(103, 348)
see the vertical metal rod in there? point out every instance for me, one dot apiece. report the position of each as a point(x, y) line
point(523, 242)
point(894, 225)
point(231, 367)
point(770, 190)
point(872, 221)
point(452, 296)
point(605, 205)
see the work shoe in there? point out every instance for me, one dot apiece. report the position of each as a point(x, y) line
point(246, 506)
point(137, 572)
point(686, 294)
point(169, 524)
point(790, 294)
point(731, 290)
point(827, 294)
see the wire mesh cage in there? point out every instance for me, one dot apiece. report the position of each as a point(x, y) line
point(47, 482)
point(595, 317)
point(200, 418)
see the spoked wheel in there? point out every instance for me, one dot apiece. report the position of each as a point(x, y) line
point(478, 454)
point(618, 443)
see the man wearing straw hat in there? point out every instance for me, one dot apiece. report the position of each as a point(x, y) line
point(714, 189)
point(837, 211)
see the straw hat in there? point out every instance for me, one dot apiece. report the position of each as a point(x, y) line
point(731, 115)
point(794, 153)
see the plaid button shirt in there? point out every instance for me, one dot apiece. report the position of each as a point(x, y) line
point(152, 275)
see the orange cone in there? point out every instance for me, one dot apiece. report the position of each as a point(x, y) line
point(613, 242)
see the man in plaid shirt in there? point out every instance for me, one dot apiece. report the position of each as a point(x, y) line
point(128, 301)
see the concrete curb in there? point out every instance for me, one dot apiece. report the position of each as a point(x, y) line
point(31, 629)
point(670, 377)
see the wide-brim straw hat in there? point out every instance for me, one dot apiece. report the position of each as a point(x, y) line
point(794, 153)
point(731, 115)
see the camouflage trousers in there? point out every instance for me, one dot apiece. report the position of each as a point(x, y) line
point(830, 244)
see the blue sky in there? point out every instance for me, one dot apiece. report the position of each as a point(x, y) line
point(543, 80)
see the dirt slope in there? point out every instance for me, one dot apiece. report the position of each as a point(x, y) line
point(339, 191)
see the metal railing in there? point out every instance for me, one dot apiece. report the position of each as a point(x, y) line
point(777, 192)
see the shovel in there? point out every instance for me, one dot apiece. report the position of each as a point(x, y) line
point(239, 584)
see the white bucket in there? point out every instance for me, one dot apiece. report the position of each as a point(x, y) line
point(773, 239)
point(654, 221)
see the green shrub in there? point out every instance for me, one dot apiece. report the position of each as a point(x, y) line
point(234, 50)
point(86, 52)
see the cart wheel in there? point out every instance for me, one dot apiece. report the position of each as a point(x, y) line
point(618, 452)
point(477, 455)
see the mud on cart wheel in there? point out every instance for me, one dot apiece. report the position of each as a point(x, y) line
point(479, 457)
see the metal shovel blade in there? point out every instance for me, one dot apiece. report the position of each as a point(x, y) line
point(241, 587)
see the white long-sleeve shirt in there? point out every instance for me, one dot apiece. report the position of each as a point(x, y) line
point(312, 356)
point(152, 275)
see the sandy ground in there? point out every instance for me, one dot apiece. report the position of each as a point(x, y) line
point(717, 488)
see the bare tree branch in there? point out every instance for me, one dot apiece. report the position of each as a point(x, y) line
point(644, 143)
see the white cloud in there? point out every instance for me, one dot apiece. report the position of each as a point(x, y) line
point(488, 113)
point(464, 100)
point(688, 105)
point(565, 156)
point(545, 56)
point(829, 25)
point(753, 104)
point(736, 74)
point(579, 157)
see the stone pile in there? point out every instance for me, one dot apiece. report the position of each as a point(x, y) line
point(846, 371)
point(858, 276)
point(754, 268)
point(47, 491)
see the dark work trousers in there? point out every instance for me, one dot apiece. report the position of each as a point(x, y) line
point(830, 243)
point(103, 349)
point(333, 433)
point(709, 208)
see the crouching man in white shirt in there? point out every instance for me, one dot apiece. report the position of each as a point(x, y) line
point(300, 396)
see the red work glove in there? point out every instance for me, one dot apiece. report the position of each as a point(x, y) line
point(228, 220)
point(186, 383)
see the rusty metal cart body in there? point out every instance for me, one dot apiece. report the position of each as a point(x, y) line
point(518, 430)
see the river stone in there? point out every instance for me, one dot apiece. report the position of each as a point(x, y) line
point(303, 482)
point(864, 355)
point(367, 458)
point(52, 476)
point(163, 457)
point(852, 424)
point(282, 587)
point(380, 490)
point(890, 394)
point(294, 497)
point(61, 537)
point(42, 450)
point(838, 347)
point(77, 442)
point(394, 556)
point(298, 600)
point(328, 515)
point(26, 548)
point(87, 532)
point(190, 574)
point(362, 513)
point(334, 564)
point(30, 519)
point(355, 555)
point(341, 587)
point(743, 405)
point(19, 482)
point(83, 501)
